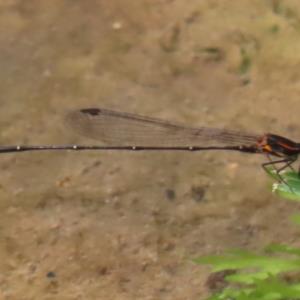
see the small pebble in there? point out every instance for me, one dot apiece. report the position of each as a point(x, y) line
point(171, 195)
point(117, 25)
point(198, 193)
point(51, 274)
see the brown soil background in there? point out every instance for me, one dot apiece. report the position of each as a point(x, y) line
point(127, 225)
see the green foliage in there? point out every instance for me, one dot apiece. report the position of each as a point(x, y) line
point(262, 276)
point(258, 277)
point(270, 289)
point(287, 185)
point(260, 266)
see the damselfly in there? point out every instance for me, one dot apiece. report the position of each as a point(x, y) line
point(131, 132)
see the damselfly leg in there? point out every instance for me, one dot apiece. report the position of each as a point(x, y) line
point(287, 163)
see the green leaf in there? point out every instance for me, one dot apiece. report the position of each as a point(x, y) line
point(296, 219)
point(283, 249)
point(256, 267)
point(287, 185)
point(269, 289)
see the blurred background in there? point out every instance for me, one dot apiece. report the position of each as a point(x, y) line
point(97, 225)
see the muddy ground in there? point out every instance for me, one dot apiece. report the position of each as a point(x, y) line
point(127, 225)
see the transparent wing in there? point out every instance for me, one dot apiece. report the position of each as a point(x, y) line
point(124, 129)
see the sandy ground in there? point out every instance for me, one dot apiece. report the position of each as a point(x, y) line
point(127, 225)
